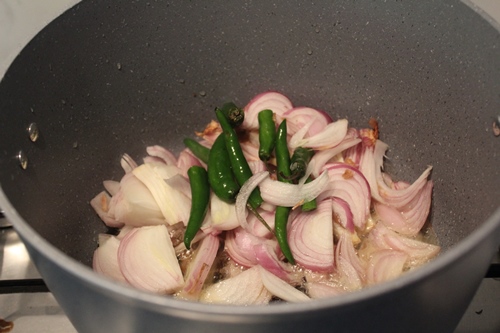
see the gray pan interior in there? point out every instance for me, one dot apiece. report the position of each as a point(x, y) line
point(113, 77)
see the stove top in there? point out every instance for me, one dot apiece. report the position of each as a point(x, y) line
point(25, 301)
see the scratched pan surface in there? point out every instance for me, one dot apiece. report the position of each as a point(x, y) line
point(109, 78)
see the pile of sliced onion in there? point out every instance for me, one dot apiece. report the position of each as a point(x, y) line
point(366, 228)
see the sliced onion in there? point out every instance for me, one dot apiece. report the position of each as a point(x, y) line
point(371, 165)
point(289, 195)
point(105, 260)
point(322, 290)
point(349, 184)
point(223, 215)
point(239, 246)
point(274, 101)
point(418, 252)
point(409, 220)
point(181, 184)
point(342, 214)
point(244, 194)
point(173, 204)
point(322, 157)
point(385, 265)
point(134, 205)
point(101, 204)
point(310, 236)
point(164, 154)
point(255, 226)
point(111, 186)
point(147, 260)
point(127, 163)
point(245, 288)
point(185, 161)
point(266, 254)
point(350, 270)
point(331, 136)
point(298, 117)
point(199, 268)
point(280, 288)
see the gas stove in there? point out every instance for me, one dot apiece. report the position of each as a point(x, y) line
point(25, 301)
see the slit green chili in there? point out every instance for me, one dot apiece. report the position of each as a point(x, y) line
point(220, 174)
point(239, 164)
point(267, 134)
point(197, 149)
point(200, 195)
point(283, 173)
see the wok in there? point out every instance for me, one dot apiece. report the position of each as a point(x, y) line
point(112, 77)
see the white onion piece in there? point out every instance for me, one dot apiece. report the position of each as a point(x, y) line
point(245, 288)
point(310, 236)
point(418, 252)
point(349, 184)
point(223, 214)
point(105, 260)
point(127, 163)
point(244, 194)
point(164, 154)
point(271, 100)
point(331, 136)
point(101, 204)
point(298, 117)
point(111, 186)
point(134, 205)
point(280, 288)
point(147, 260)
point(318, 290)
point(342, 214)
point(385, 265)
point(200, 267)
point(173, 204)
point(289, 195)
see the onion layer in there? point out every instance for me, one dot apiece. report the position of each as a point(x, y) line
point(310, 236)
point(148, 261)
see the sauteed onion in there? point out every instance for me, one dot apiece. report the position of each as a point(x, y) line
point(367, 228)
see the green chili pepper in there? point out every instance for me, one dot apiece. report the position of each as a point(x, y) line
point(197, 149)
point(220, 174)
point(267, 134)
point(239, 164)
point(283, 172)
point(200, 195)
point(300, 159)
point(234, 114)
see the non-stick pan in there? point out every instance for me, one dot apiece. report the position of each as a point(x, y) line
point(107, 78)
